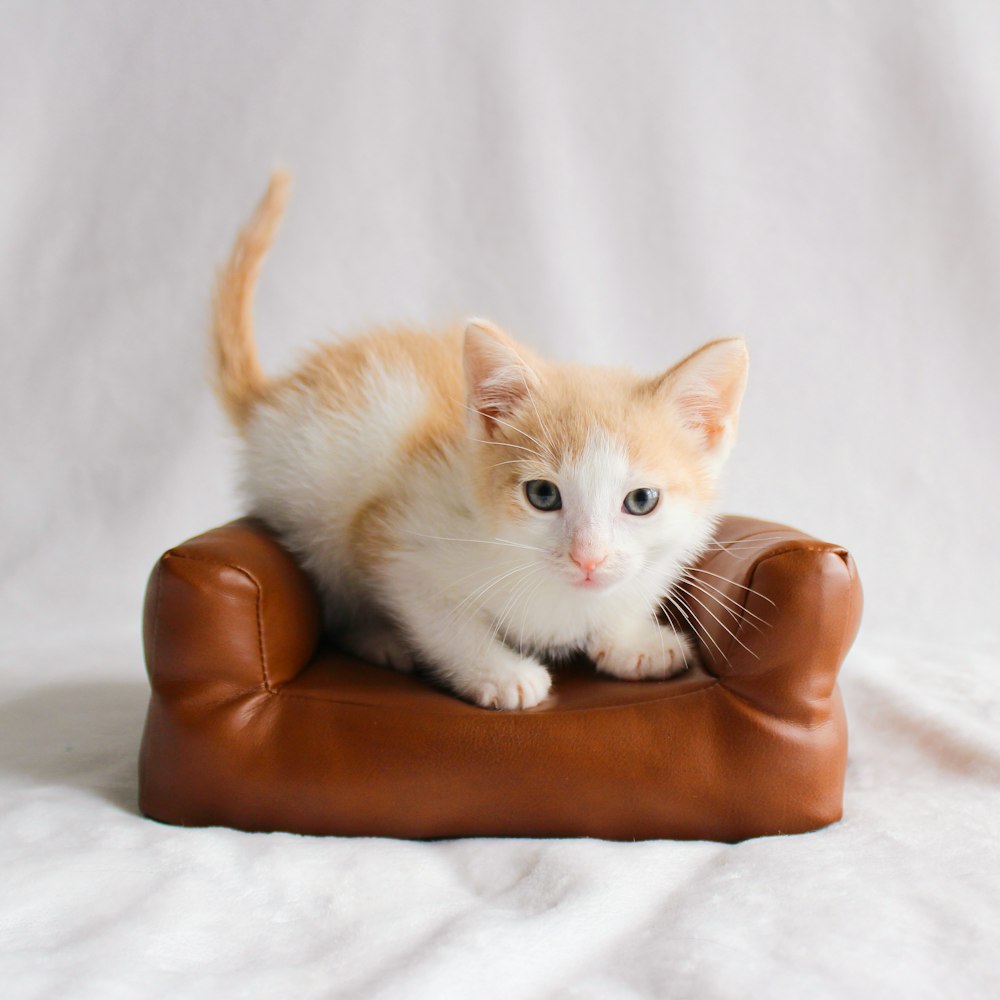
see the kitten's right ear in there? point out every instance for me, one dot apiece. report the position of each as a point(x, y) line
point(497, 378)
point(706, 390)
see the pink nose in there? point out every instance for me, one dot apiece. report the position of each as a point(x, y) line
point(587, 561)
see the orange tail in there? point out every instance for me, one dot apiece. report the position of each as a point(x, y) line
point(239, 381)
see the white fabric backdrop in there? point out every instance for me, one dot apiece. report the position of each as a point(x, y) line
point(614, 182)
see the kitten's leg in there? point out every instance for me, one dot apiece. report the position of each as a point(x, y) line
point(382, 647)
point(378, 641)
point(466, 655)
point(640, 648)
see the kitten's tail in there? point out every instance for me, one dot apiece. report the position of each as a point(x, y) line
point(239, 381)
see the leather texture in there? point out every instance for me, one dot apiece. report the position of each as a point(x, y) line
point(255, 723)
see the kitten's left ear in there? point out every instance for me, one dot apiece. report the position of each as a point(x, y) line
point(707, 388)
point(497, 378)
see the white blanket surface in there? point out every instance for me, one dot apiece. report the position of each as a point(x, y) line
point(900, 899)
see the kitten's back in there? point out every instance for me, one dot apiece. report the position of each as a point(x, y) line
point(360, 428)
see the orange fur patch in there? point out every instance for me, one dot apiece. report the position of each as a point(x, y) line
point(558, 409)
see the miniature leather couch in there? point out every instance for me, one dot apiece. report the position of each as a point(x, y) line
point(256, 722)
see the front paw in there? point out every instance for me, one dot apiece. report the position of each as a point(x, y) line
point(647, 651)
point(520, 683)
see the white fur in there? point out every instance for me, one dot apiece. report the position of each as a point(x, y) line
point(307, 470)
point(480, 604)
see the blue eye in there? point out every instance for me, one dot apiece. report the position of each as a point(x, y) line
point(642, 501)
point(542, 494)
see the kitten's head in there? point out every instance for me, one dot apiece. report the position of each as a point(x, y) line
point(610, 478)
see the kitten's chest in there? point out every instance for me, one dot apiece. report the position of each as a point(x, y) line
point(524, 604)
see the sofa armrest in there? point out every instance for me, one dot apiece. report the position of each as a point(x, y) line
point(230, 607)
point(775, 612)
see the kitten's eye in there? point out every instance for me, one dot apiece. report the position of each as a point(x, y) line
point(641, 501)
point(543, 494)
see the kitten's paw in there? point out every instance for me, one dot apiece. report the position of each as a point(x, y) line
point(379, 645)
point(520, 685)
point(647, 651)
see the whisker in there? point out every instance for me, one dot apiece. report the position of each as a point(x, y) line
point(724, 625)
point(719, 576)
point(501, 617)
point(474, 601)
point(515, 428)
point(527, 599)
point(505, 619)
point(538, 417)
point(690, 618)
point(478, 541)
point(663, 648)
point(674, 599)
point(741, 611)
point(492, 582)
point(688, 584)
point(635, 586)
point(519, 545)
point(507, 444)
point(659, 633)
point(752, 542)
point(507, 616)
point(478, 571)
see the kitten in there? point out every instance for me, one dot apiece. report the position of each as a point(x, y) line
point(469, 506)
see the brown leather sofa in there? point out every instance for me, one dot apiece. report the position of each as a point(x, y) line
point(255, 723)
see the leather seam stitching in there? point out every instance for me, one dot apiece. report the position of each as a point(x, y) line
point(265, 679)
point(715, 682)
